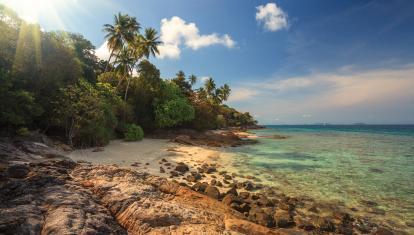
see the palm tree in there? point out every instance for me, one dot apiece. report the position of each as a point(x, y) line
point(122, 32)
point(124, 65)
point(149, 42)
point(193, 80)
point(224, 92)
point(209, 86)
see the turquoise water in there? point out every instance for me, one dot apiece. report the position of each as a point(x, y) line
point(341, 164)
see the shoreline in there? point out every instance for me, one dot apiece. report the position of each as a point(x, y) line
point(194, 177)
point(204, 166)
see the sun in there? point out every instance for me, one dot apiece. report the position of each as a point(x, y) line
point(32, 11)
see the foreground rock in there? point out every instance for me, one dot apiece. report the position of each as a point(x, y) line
point(58, 196)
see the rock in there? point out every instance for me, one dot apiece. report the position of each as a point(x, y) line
point(174, 174)
point(193, 177)
point(183, 139)
point(199, 187)
point(229, 199)
point(283, 219)
point(212, 192)
point(181, 167)
point(18, 171)
point(264, 202)
point(226, 182)
point(257, 215)
point(210, 170)
point(162, 170)
point(325, 225)
point(227, 177)
point(242, 208)
point(213, 182)
point(244, 195)
point(219, 184)
point(232, 191)
point(248, 186)
point(305, 224)
point(164, 160)
point(135, 164)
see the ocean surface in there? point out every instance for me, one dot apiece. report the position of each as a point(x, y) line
point(347, 164)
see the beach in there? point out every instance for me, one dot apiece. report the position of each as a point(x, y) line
point(288, 163)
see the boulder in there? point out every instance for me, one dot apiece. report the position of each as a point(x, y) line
point(232, 191)
point(181, 167)
point(212, 192)
point(283, 219)
point(199, 187)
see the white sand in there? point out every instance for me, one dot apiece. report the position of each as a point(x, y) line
point(149, 153)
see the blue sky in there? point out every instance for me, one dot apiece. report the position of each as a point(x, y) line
point(287, 61)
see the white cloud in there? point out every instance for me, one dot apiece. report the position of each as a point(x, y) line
point(375, 96)
point(103, 52)
point(175, 32)
point(240, 94)
point(272, 17)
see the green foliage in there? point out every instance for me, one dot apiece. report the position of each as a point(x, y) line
point(17, 106)
point(173, 113)
point(85, 113)
point(23, 131)
point(133, 133)
point(53, 81)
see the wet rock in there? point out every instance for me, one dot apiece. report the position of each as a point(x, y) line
point(181, 167)
point(325, 225)
point(232, 191)
point(212, 192)
point(242, 208)
point(193, 177)
point(305, 224)
point(213, 182)
point(174, 174)
point(227, 177)
point(264, 202)
point(210, 170)
point(244, 195)
point(257, 215)
point(283, 219)
point(18, 171)
point(199, 187)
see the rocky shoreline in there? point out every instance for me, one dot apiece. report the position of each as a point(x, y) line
point(43, 192)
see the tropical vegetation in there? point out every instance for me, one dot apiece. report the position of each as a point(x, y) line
point(54, 83)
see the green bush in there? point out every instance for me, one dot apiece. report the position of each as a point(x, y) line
point(133, 133)
point(23, 131)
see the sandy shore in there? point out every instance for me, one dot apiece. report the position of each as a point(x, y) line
point(150, 155)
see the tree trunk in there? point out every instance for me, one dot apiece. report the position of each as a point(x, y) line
point(126, 90)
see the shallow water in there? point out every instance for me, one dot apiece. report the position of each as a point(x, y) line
point(342, 164)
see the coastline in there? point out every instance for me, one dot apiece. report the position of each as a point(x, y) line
point(194, 186)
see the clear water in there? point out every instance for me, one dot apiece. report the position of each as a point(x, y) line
point(345, 164)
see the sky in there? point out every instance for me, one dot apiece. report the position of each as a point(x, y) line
point(287, 61)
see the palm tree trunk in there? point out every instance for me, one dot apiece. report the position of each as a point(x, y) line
point(126, 90)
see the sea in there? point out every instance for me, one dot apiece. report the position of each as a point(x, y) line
point(346, 164)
